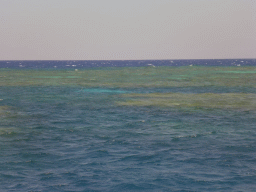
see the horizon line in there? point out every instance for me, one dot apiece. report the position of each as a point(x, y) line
point(126, 59)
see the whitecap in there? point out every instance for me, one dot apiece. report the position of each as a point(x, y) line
point(151, 65)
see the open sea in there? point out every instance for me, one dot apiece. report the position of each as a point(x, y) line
point(172, 125)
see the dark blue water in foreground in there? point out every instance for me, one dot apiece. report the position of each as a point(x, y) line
point(78, 137)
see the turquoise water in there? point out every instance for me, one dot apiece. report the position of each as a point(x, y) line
point(128, 129)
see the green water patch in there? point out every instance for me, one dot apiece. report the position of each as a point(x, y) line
point(125, 77)
point(203, 100)
point(4, 110)
point(238, 72)
point(8, 131)
point(57, 77)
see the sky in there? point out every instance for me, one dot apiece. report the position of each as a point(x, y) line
point(127, 29)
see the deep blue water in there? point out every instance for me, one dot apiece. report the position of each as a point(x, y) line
point(78, 64)
point(78, 137)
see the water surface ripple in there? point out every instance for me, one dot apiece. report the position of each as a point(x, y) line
point(128, 129)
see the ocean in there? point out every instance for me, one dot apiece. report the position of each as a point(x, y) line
point(171, 125)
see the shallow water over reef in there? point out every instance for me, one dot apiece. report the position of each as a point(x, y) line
point(163, 128)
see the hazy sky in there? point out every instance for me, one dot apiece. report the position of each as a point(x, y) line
point(127, 29)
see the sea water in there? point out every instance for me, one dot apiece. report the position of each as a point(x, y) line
point(185, 125)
